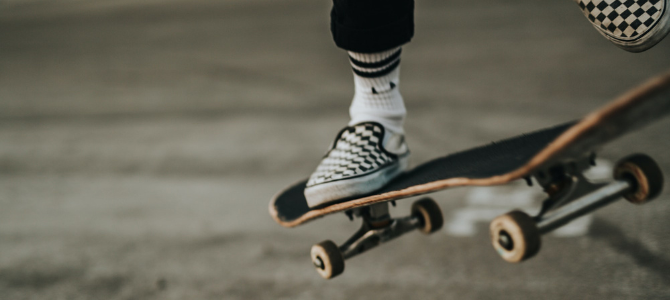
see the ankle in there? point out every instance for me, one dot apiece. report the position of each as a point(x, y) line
point(377, 97)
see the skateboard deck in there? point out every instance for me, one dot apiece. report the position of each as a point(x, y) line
point(499, 162)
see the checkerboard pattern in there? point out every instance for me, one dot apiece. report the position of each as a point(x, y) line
point(357, 151)
point(623, 19)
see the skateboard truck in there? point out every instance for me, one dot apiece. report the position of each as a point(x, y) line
point(516, 235)
point(377, 228)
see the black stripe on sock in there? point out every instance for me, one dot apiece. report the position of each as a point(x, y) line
point(379, 73)
point(378, 64)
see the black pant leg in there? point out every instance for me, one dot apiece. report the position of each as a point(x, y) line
point(368, 26)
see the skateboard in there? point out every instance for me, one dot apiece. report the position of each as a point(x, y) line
point(554, 157)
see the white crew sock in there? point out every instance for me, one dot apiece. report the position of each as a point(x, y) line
point(377, 97)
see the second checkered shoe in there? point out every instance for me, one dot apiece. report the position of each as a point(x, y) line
point(363, 158)
point(633, 25)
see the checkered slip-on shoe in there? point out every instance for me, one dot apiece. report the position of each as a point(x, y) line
point(633, 25)
point(360, 161)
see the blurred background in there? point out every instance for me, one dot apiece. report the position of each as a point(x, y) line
point(141, 141)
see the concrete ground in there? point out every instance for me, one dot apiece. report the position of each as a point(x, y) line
point(140, 143)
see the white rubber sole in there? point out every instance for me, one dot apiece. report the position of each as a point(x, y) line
point(327, 192)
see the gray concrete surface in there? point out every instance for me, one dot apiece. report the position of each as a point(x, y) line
point(140, 142)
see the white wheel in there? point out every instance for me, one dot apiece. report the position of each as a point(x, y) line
point(645, 175)
point(515, 236)
point(327, 259)
point(429, 215)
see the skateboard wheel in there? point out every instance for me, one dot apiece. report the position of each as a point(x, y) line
point(645, 175)
point(429, 215)
point(327, 259)
point(515, 236)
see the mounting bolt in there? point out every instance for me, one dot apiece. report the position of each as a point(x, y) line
point(528, 181)
point(592, 159)
point(350, 214)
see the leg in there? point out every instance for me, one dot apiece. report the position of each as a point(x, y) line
point(372, 31)
point(371, 151)
point(369, 26)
